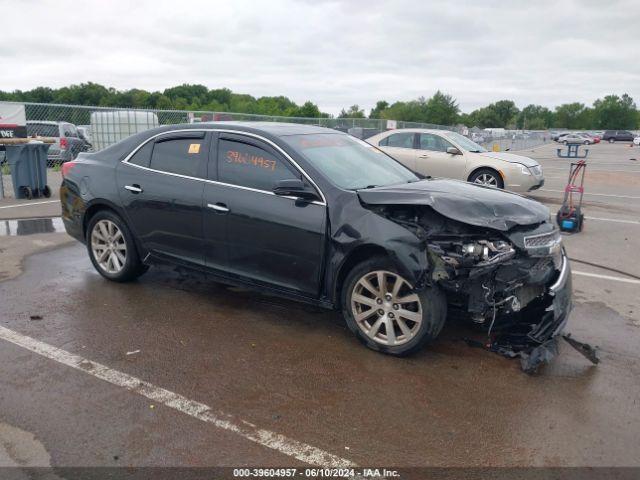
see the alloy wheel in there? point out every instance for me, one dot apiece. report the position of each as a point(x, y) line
point(108, 246)
point(486, 179)
point(385, 308)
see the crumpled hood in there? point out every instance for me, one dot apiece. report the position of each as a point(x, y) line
point(511, 157)
point(465, 202)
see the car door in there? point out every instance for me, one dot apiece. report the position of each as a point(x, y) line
point(402, 147)
point(269, 238)
point(434, 160)
point(626, 136)
point(161, 188)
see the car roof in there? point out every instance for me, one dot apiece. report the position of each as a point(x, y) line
point(416, 130)
point(45, 122)
point(266, 129)
point(276, 129)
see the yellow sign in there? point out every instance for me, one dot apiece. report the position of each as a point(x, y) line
point(496, 147)
point(194, 148)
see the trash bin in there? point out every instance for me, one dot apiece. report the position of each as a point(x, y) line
point(28, 163)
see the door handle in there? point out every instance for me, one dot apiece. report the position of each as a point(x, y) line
point(218, 207)
point(135, 188)
point(424, 155)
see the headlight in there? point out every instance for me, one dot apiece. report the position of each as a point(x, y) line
point(524, 170)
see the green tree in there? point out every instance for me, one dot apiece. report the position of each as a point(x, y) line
point(354, 111)
point(309, 109)
point(613, 112)
point(535, 117)
point(441, 109)
point(381, 106)
point(569, 115)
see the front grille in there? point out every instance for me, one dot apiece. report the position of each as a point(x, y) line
point(545, 240)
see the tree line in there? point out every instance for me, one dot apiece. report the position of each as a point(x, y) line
point(610, 112)
point(182, 97)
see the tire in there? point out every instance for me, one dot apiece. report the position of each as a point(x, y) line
point(587, 142)
point(425, 311)
point(612, 140)
point(27, 192)
point(46, 191)
point(565, 143)
point(103, 237)
point(481, 176)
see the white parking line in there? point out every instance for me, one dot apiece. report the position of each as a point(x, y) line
point(604, 170)
point(633, 222)
point(607, 277)
point(275, 441)
point(588, 193)
point(29, 204)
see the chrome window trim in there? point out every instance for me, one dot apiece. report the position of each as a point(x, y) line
point(215, 182)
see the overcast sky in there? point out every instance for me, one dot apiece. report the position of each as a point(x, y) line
point(334, 53)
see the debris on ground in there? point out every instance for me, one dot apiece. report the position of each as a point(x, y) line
point(532, 353)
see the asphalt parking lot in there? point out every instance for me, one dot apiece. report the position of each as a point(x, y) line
point(175, 370)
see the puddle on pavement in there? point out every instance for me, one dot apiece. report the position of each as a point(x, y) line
point(30, 226)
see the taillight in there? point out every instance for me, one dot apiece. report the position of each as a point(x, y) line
point(63, 143)
point(66, 168)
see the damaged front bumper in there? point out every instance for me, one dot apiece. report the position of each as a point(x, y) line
point(533, 335)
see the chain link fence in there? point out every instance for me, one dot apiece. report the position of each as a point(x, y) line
point(77, 129)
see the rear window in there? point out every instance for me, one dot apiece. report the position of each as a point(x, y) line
point(402, 140)
point(184, 156)
point(42, 130)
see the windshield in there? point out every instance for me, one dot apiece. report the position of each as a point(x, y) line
point(464, 143)
point(350, 163)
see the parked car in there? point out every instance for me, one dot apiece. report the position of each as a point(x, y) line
point(441, 153)
point(319, 216)
point(576, 138)
point(555, 136)
point(612, 136)
point(597, 137)
point(68, 143)
point(84, 132)
point(478, 138)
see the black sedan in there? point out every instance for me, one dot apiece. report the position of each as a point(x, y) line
point(319, 216)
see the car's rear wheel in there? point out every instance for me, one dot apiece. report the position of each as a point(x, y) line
point(487, 177)
point(386, 314)
point(112, 248)
point(612, 140)
point(587, 142)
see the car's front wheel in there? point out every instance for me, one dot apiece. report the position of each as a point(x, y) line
point(112, 248)
point(382, 309)
point(487, 177)
point(612, 140)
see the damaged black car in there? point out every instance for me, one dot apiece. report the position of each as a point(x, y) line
point(321, 217)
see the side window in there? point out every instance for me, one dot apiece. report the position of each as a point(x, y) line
point(251, 166)
point(433, 143)
point(402, 140)
point(143, 155)
point(184, 156)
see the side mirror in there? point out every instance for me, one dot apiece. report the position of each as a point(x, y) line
point(453, 151)
point(294, 188)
